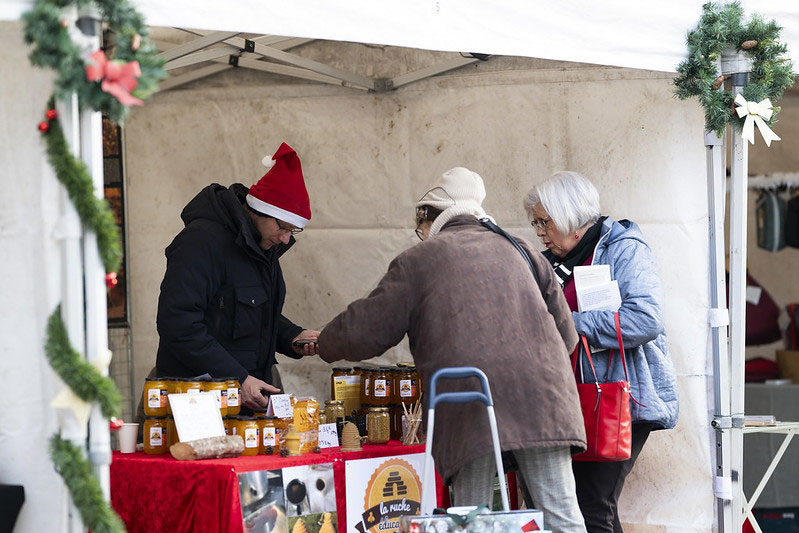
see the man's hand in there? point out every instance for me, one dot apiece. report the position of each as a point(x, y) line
point(306, 349)
point(252, 393)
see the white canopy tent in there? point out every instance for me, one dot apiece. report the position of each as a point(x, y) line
point(648, 36)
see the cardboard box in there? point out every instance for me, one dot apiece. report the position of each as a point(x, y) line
point(520, 521)
point(788, 361)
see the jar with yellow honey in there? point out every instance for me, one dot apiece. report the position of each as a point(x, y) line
point(270, 444)
point(189, 386)
point(155, 396)
point(155, 435)
point(247, 429)
point(233, 396)
point(217, 387)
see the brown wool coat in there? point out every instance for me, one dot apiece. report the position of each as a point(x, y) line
point(466, 297)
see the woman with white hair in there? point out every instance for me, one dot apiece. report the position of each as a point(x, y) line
point(565, 212)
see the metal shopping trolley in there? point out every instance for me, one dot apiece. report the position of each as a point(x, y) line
point(428, 478)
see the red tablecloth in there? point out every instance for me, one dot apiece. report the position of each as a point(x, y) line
point(157, 493)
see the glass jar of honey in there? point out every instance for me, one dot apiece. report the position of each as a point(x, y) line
point(173, 387)
point(171, 432)
point(247, 429)
point(190, 386)
point(155, 435)
point(378, 425)
point(233, 396)
point(365, 385)
point(155, 396)
point(230, 425)
point(217, 387)
point(281, 427)
point(270, 444)
point(380, 390)
point(334, 409)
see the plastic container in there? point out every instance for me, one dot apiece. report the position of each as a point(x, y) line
point(155, 397)
point(155, 439)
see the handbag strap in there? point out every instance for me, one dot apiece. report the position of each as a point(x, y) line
point(588, 353)
point(496, 229)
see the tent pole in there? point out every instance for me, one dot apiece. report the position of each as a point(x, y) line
point(69, 232)
point(719, 320)
point(739, 66)
point(91, 134)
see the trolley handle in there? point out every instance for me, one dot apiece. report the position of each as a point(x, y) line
point(459, 397)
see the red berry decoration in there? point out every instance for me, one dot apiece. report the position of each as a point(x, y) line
point(115, 423)
point(111, 280)
point(44, 126)
point(51, 114)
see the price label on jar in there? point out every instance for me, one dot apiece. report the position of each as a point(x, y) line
point(381, 390)
point(269, 437)
point(406, 388)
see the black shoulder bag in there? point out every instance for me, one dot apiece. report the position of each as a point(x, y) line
point(496, 229)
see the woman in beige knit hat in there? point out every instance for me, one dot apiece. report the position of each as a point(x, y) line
point(466, 297)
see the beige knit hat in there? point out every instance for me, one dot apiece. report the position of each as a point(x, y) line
point(458, 191)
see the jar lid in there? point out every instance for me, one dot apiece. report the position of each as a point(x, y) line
point(232, 417)
point(334, 402)
point(406, 364)
point(246, 418)
point(231, 379)
point(155, 417)
point(222, 380)
point(379, 409)
point(342, 369)
point(155, 379)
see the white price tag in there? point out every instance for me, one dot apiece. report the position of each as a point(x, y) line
point(328, 437)
point(280, 406)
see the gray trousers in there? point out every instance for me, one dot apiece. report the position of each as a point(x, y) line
point(548, 475)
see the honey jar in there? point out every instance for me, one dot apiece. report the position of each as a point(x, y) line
point(380, 389)
point(171, 432)
point(281, 427)
point(230, 425)
point(173, 387)
point(155, 396)
point(365, 386)
point(189, 386)
point(378, 425)
point(217, 387)
point(155, 435)
point(247, 429)
point(233, 396)
point(270, 444)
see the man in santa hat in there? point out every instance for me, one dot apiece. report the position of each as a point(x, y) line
point(219, 311)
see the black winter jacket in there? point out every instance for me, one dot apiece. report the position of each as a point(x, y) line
point(219, 311)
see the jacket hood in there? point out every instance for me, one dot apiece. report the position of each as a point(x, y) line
point(614, 231)
point(224, 205)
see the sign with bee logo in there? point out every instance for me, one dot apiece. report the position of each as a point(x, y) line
point(381, 490)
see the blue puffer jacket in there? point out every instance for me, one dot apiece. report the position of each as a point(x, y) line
point(649, 366)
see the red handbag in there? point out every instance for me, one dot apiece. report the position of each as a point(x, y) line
point(606, 411)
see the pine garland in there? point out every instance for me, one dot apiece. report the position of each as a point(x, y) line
point(94, 212)
point(84, 487)
point(84, 380)
point(722, 26)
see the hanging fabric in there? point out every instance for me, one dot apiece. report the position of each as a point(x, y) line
point(792, 222)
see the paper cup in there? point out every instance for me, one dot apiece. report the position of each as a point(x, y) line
point(127, 437)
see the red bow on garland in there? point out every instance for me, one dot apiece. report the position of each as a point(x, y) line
point(118, 78)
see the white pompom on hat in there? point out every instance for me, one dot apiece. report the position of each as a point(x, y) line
point(459, 191)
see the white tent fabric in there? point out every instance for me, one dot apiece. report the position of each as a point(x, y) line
point(646, 35)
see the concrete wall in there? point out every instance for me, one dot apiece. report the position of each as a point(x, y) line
point(368, 157)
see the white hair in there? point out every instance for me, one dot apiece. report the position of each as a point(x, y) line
point(569, 198)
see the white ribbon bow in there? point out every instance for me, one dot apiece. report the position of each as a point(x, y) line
point(755, 113)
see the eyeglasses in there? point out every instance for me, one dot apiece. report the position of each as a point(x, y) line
point(540, 223)
point(421, 216)
point(293, 231)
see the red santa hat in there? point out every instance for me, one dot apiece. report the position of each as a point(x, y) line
point(281, 192)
